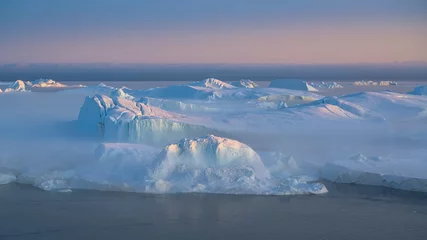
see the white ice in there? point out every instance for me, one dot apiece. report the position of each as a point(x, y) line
point(213, 137)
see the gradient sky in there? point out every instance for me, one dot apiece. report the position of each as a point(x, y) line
point(213, 31)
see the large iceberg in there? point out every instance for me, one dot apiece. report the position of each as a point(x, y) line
point(293, 84)
point(219, 165)
point(122, 119)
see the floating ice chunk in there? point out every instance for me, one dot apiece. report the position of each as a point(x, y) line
point(244, 83)
point(293, 84)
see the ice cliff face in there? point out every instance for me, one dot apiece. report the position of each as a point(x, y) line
point(119, 118)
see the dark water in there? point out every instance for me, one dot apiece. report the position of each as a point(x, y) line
point(347, 212)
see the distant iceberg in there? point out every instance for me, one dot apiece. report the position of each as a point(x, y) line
point(372, 83)
point(244, 83)
point(17, 86)
point(21, 86)
point(212, 83)
point(325, 85)
point(293, 84)
point(420, 90)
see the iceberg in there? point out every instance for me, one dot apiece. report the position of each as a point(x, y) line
point(420, 90)
point(41, 83)
point(212, 83)
point(293, 84)
point(219, 165)
point(372, 83)
point(17, 86)
point(405, 174)
point(244, 83)
point(123, 119)
point(325, 85)
point(21, 86)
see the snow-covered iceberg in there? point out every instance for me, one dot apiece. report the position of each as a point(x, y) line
point(17, 86)
point(42, 83)
point(293, 84)
point(219, 165)
point(122, 119)
point(212, 83)
point(244, 83)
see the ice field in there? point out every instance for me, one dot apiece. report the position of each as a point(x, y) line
point(211, 136)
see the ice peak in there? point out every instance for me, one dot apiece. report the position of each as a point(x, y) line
point(212, 83)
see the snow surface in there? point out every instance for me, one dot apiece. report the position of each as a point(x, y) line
point(212, 139)
point(293, 84)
